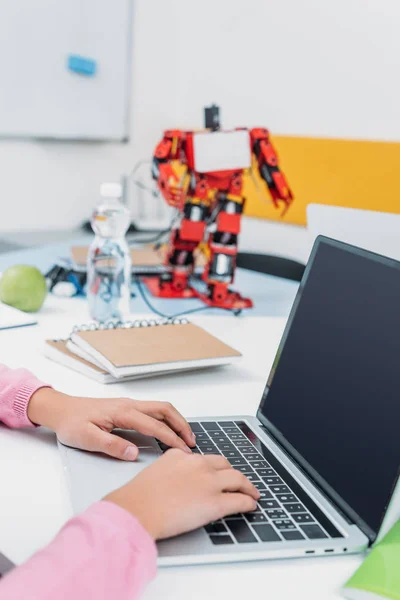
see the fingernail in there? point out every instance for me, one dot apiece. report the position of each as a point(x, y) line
point(193, 438)
point(187, 449)
point(131, 453)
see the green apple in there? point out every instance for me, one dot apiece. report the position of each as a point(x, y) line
point(23, 287)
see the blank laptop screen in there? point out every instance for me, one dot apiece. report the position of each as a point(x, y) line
point(334, 389)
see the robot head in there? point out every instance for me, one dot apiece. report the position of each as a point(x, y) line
point(211, 117)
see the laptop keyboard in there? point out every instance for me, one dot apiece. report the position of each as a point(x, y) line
point(284, 511)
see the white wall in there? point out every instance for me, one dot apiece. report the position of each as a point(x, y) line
point(300, 67)
point(309, 67)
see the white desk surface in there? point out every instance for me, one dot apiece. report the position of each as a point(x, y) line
point(33, 499)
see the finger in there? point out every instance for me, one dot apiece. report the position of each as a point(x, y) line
point(113, 445)
point(165, 411)
point(235, 481)
point(237, 503)
point(133, 419)
point(217, 462)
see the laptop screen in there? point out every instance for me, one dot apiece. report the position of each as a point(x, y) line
point(333, 394)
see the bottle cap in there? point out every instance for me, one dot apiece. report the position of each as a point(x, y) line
point(111, 190)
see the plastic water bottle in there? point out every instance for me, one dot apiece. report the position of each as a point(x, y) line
point(109, 260)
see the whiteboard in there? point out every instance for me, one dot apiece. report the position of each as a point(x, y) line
point(40, 95)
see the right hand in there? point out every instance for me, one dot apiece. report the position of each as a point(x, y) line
point(180, 492)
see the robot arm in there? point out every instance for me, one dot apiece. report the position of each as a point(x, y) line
point(163, 173)
point(267, 161)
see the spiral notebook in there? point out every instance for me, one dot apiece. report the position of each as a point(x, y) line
point(142, 348)
point(79, 361)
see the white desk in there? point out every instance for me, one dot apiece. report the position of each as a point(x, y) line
point(34, 502)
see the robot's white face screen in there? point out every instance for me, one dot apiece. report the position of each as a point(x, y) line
point(221, 151)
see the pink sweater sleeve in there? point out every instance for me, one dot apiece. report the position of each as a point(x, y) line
point(104, 554)
point(16, 389)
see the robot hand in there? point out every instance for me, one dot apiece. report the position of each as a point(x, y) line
point(168, 183)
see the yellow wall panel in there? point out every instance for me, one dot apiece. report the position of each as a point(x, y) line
point(358, 174)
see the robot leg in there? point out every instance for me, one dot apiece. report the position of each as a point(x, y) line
point(220, 270)
point(184, 240)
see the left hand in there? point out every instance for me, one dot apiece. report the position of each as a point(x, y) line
point(87, 423)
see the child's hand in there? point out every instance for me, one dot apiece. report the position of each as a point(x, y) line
point(87, 423)
point(180, 492)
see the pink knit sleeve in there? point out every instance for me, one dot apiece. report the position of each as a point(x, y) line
point(104, 554)
point(16, 389)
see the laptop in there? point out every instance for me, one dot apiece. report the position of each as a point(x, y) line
point(324, 446)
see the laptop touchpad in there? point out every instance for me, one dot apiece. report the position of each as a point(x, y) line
point(92, 476)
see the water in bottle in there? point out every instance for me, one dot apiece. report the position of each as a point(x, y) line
point(109, 261)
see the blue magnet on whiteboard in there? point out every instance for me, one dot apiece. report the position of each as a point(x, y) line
point(81, 65)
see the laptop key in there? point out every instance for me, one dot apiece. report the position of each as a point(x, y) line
point(284, 498)
point(280, 489)
point(292, 535)
point(241, 531)
point(244, 469)
point(237, 436)
point(259, 465)
point(201, 436)
point(196, 428)
point(229, 430)
point(264, 494)
point(303, 518)
point(224, 446)
point(266, 533)
point(221, 439)
point(196, 450)
point(268, 504)
point(219, 540)
point(284, 524)
point(209, 448)
point(204, 442)
point(236, 461)
point(276, 513)
point(295, 508)
point(273, 480)
point(235, 516)
point(232, 454)
point(242, 444)
point(258, 484)
point(210, 426)
point(253, 477)
point(256, 517)
point(216, 433)
point(247, 449)
point(313, 532)
point(253, 457)
point(217, 527)
point(265, 472)
point(226, 424)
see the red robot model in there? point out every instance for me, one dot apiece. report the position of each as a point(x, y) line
point(209, 198)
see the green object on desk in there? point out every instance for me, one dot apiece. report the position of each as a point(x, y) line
point(23, 287)
point(379, 575)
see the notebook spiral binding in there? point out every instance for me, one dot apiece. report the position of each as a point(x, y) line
point(95, 326)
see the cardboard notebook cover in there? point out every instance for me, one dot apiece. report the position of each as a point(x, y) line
point(156, 345)
point(143, 257)
point(61, 346)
